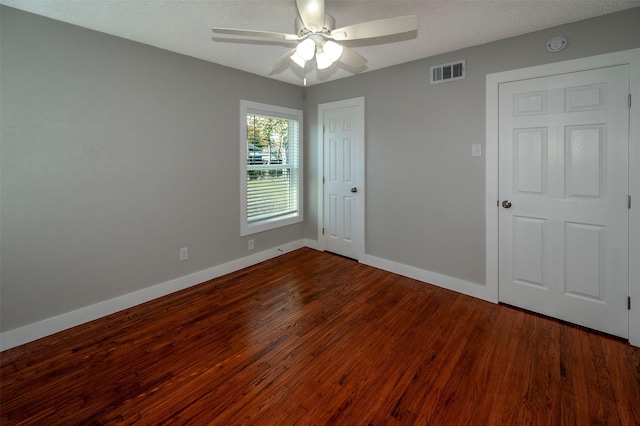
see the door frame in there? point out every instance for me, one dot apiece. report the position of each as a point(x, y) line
point(627, 57)
point(360, 229)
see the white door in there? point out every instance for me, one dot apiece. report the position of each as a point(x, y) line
point(563, 185)
point(343, 180)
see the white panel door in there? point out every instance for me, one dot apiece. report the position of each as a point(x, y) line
point(563, 185)
point(342, 162)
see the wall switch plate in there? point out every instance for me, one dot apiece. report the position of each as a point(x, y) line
point(184, 253)
point(251, 244)
point(476, 150)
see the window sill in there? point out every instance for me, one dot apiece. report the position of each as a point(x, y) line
point(271, 223)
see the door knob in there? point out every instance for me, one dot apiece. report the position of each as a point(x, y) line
point(506, 204)
point(354, 189)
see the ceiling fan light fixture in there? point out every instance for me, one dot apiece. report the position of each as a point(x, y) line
point(306, 49)
point(298, 60)
point(322, 60)
point(316, 36)
point(332, 50)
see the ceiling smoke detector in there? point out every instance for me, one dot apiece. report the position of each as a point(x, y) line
point(556, 44)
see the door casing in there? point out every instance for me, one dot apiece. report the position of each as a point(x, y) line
point(360, 218)
point(630, 57)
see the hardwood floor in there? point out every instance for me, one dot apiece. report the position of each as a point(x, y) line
point(312, 338)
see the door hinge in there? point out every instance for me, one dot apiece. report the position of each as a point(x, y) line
point(323, 180)
point(629, 201)
point(629, 303)
point(322, 231)
point(629, 100)
point(324, 130)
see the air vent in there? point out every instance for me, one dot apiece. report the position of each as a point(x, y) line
point(447, 72)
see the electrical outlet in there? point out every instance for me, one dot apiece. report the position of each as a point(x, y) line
point(476, 150)
point(184, 253)
point(251, 244)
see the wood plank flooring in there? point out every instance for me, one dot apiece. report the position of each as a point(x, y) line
point(312, 338)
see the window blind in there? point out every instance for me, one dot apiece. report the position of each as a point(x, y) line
point(272, 169)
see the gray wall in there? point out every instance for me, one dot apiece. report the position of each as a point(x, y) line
point(115, 155)
point(425, 193)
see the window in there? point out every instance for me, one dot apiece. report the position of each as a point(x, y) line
point(271, 167)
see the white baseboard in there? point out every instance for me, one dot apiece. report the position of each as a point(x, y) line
point(450, 283)
point(313, 244)
point(49, 326)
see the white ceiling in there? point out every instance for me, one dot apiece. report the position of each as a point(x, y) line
point(184, 26)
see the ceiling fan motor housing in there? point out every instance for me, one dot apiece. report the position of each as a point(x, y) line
point(329, 24)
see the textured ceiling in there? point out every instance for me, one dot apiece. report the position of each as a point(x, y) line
point(184, 26)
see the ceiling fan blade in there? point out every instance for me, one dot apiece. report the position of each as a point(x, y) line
point(312, 13)
point(251, 33)
point(380, 28)
point(282, 63)
point(352, 59)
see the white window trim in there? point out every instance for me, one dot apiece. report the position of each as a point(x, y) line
point(247, 228)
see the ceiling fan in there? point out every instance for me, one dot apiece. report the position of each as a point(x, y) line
point(316, 36)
